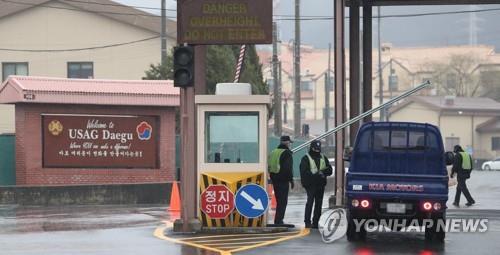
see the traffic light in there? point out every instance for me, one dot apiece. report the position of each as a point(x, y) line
point(183, 66)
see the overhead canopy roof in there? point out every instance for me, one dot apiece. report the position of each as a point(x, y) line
point(31, 89)
point(423, 2)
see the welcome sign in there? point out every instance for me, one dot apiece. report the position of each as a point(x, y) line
point(100, 141)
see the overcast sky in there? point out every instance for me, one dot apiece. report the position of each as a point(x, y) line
point(403, 32)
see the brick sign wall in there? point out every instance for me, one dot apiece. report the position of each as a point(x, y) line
point(90, 141)
point(32, 122)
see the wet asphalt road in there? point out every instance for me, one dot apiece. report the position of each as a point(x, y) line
point(129, 230)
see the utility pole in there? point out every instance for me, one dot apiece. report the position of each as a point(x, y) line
point(163, 32)
point(367, 59)
point(354, 68)
point(338, 25)
point(296, 62)
point(276, 84)
point(328, 85)
point(285, 104)
point(380, 79)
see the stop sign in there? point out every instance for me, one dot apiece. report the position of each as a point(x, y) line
point(217, 201)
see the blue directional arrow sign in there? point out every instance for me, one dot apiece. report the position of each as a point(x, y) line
point(251, 201)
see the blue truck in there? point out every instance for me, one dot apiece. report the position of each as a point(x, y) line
point(397, 172)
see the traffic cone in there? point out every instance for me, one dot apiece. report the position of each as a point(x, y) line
point(175, 199)
point(270, 191)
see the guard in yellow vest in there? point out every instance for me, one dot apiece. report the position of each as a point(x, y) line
point(314, 168)
point(280, 167)
point(462, 166)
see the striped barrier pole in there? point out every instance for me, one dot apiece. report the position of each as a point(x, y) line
point(240, 63)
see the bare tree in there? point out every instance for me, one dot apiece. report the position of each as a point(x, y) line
point(457, 75)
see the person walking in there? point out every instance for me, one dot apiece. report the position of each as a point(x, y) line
point(281, 173)
point(462, 166)
point(314, 168)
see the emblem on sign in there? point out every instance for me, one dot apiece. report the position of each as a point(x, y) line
point(251, 201)
point(55, 127)
point(144, 131)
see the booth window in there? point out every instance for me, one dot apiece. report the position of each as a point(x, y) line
point(232, 137)
point(81, 70)
point(14, 68)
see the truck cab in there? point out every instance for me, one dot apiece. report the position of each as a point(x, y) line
point(397, 172)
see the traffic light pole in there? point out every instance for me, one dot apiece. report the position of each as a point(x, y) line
point(189, 221)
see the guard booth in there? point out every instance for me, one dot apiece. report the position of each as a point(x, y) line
point(232, 157)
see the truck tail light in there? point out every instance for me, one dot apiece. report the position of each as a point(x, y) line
point(355, 203)
point(427, 206)
point(365, 203)
point(437, 206)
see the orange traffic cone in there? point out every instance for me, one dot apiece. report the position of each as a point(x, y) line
point(175, 199)
point(270, 191)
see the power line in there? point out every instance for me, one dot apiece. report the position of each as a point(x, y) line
point(119, 5)
point(398, 15)
point(82, 10)
point(81, 49)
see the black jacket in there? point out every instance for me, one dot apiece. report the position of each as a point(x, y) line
point(457, 167)
point(286, 167)
point(309, 179)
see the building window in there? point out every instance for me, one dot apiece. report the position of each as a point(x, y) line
point(306, 85)
point(495, 143)
point(270, 85)
point(331, 113)
point(332, 84)
point(303, 113)
point(450, 142)
point(451, 80)
point(14, 68)
point(82, 70)
point(232, 137)
point(393, 82)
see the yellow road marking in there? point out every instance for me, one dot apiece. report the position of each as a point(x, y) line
point(217, 236)
point(217, 244)
point(227, 248)
point(235, 239)
point(231, 247)
point(159, 233)
point(303, 232)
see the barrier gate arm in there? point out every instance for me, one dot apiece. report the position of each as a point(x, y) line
point(361, 116)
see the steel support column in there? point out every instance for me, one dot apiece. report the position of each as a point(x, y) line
point(339, 17)
point(367, 58)
point(354, 66)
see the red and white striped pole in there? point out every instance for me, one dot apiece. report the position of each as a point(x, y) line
point(241, 58)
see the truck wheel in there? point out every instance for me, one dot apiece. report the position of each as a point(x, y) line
point(352, 234)
point(433, 234)
point(351, 231)
point(487, 167)
point(430, 232)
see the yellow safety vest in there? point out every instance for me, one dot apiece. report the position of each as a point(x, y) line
point(466, 161)
point(314, 167)
point(274, 160)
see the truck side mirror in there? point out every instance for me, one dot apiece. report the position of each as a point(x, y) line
point(347, 154)
point(449, 157)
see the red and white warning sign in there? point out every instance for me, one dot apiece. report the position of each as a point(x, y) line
point(217, 201)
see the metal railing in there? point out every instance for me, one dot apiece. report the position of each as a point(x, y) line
point(361, 116)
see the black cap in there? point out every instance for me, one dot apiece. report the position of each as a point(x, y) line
point(316, 144)
point(457, 148)
point(285, 138)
